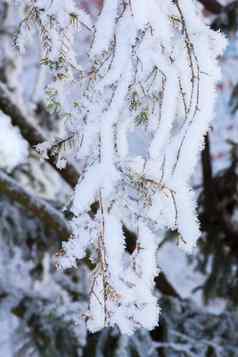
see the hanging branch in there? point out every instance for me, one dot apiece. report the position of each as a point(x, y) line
point(142, 74)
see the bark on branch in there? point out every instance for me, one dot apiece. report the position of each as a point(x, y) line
point(52, 219)
point(212, 6)
point(31, 132)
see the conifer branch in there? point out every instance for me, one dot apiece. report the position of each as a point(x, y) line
point(32, 133)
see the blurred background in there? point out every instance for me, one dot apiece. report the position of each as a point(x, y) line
point(41, 309)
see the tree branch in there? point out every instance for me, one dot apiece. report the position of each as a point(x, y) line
point(210, 200)
point(32, 133)
point(53, 220)
point(212, 6)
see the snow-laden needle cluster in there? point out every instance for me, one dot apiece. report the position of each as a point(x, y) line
point(136, 114)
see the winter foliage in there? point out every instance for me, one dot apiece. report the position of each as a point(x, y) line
point(150, 73)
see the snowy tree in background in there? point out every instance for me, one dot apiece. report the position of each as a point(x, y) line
point(135, 110)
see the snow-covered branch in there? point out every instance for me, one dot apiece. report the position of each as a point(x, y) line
point(52, 219)
point(136, 114)
point(31, 132)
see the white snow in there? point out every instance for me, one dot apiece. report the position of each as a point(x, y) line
point(13, 148)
